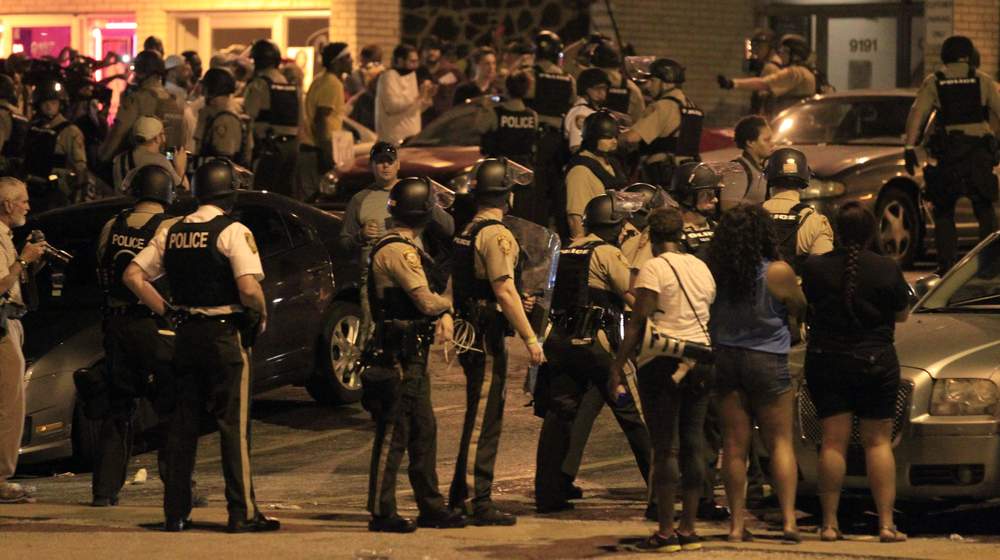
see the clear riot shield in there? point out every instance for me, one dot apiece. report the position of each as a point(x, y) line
point(733, 180)
point(540, 252)
point(243, 176)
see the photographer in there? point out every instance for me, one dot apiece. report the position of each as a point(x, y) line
point(14, 208)
point(150, 141)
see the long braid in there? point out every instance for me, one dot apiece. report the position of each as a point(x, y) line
point(850, 280)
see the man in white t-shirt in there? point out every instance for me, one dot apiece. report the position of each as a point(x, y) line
point(399, 99)
point(675, 290)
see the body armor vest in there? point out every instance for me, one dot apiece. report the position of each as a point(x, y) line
point(696, 239)
point(208, 150)
point(14, 146)
point(618, 98)
point(686, 140)
point(284, 107)
point(123, 244)
point(40, 156)
point(553, 94)
point(199, 275)
point(514, 136)
point(395, 303)
point(468, 289)
point(960, 99)
point(618, 180)
point(578, 309)
point(786, 229)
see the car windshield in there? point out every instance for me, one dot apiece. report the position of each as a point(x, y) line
point(857, 120)
point(457, 127)
point(974, 285)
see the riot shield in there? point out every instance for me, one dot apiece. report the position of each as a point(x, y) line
point(540, 253)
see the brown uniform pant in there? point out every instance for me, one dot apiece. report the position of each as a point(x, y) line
point(11, 398)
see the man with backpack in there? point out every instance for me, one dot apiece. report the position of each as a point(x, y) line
point(800, 229)
point(223, 130)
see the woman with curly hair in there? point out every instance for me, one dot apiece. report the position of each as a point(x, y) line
point(758, 303)
point(856, 298)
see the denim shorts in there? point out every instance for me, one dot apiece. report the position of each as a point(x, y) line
point(762, 376)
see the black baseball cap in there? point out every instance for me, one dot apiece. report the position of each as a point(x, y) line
point(383, 151)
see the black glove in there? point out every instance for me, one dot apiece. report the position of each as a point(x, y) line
point(910, 156)
point(174, 316)
point(724, 82)
point(326, 162)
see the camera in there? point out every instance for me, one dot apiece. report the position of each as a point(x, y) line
point(50, 252)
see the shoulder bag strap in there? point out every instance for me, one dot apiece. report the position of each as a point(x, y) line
point(687, 297)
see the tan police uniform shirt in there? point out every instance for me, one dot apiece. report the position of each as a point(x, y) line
point(134, 220)
point(582, 185)
point(225, 136)
point(236, 243)
point(69, 143)
point(398, 265)
point(8, 256)
point(791, 81)
point(257, 98)
point(497, 252)
point(661, 119)
point(609, 269)
point(927, 99)
point(815, 233)
point(326, 91)
point(142, 103)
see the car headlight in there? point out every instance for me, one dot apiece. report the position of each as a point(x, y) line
point(819, 188)
point(965, 397)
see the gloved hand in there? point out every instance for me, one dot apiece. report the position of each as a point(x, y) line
point(724, 82)
point(910, 156)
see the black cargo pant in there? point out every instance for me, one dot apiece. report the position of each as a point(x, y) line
point(576, 372)
point(134, 352)
point(274, 162)
point(404, 424)
point(212, 372)
point(485, 393)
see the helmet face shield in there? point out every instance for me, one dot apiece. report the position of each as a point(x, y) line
point(637, 68)
point(519, 176)
point(443, 196)
point(627, 203)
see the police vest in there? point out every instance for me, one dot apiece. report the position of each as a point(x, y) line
point(618, 98)
point(553, 94)
point(123, 244)
point(284, 106)
point(961, 99)
point(40, 156)
point(686, 140)
point(786, 229)
point(13, 147)
point(572, 290)
point(468, 289)
point(199, 275)
point(395, 303)
point(618, 180)
point(208, 149)
point(514, 136)
point(695, 239)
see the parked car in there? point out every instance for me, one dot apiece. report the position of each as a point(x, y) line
point(946, 432)
point(312, 304)
point(854, 143)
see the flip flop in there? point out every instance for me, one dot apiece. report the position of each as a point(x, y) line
point(824, 534)
point(747, 536)
point(891, 535)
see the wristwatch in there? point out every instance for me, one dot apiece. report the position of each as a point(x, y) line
point(22, 262)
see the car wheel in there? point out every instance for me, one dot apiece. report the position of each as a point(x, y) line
point(337, 378)
point(86, 438)
point(898, 227)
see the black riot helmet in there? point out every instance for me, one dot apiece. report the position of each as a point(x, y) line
point(548, 46)
point(411, 201)
point(217, 82)
point(602, 219)
point(598, 125)
point(798, 48)
point(955, 48)
point(150, 182)
point(667, 70)
point(605, 55)
point(591, 77)
point(8, 91)
point(148, 64)
point(491, 177)
point(691, 177)
point(265, 54)
point(47, 91)
point(214, 181)
point(787, 168)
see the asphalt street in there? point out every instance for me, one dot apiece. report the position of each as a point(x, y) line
point(311, 465)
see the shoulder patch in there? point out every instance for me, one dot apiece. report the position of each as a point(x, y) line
point(505, 243)
point(250, 242)
point(412, 259)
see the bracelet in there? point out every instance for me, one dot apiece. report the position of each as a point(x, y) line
point(531, 340)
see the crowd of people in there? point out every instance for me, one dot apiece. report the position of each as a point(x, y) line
point(725, 279)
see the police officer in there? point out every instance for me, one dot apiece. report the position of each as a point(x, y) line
point(407, 303)
point(963, 144)
point(273, 105)
point(753, 137)
point(484, 280)
point(54, 146)
point(623, 95)
point(762, 62)
point(13, 129)
point(593, 169)
point(796, 80)
point(669, 132)
point(149, 99)
point(801, 231)
point(591, 291)
point(696, 187)
point(223, 130)
point(214, 273)
point(134, 349)
point(550, 95)
point(592, 84)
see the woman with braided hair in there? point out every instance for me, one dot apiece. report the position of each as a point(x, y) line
point(856, 297)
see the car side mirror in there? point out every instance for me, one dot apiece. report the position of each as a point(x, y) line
point(922, 286)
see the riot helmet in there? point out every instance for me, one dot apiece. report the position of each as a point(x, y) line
point(605, 55)
point(150, 182)
point(215, 181)
point(8, 91)
point(217, 82)
point(591, 77)
point(492, 178)
point(691, 177)
point(47, 91)
point(667, 70)
point(597, 126)
point(652, 197)
point(955, 48)
point(411, 201)
point(798, 48)
point(787, 168)
point(265, 54)
point(148, 64)
point(548, 46)
point(603, 219)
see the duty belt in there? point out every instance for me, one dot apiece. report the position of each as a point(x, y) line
point(582, 322)
point(13, 310)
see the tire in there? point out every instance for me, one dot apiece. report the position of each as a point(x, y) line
point(898, 227)
point(86, 439)
point(337, 378)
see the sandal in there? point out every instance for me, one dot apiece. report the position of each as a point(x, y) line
point(791, 537)
point(826, 536)
point(746, 536)
point(891, 535)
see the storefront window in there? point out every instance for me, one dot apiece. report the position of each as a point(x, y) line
point(40, 41)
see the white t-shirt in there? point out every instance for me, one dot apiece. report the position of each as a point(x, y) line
point(397, 106)
point(674, 315)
